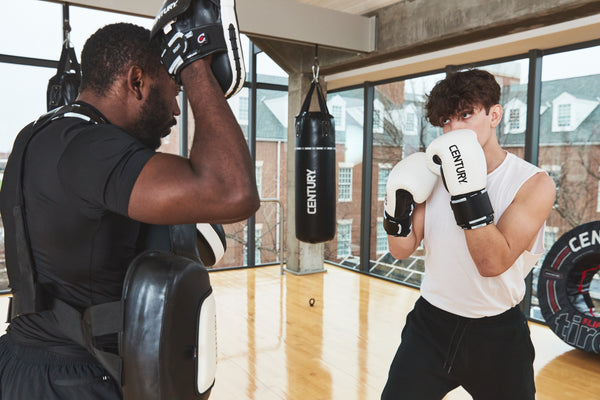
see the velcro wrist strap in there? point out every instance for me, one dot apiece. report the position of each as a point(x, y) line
point(397, 227)
point(472, 210)
point(183, 48)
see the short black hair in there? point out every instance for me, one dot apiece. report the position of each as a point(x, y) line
point(461, 91)
point(114, 48)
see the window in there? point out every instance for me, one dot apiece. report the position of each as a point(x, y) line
point(268, 71)
point(384, 172)
point(406, 131)
point(257, 243)
point(378, 116)
point(514, 122)
point(44, 41)
point(243, 108)
point(598, 202)
point(344, 238)
point(377, 121)
point(348, 109)
point(258, 173)
point(345, 183)
point(550, 236)
point(85, 21)
point(515, 110)
point(21, 85)
point(569, 140)
point(336, 111)
point(573, 111)
point(555, 173)
point(239, 106)
point(410, 123)
point(564, 115)
point(382, 239)
point(337, 107)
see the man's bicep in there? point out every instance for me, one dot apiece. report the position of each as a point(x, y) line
point(169, 191)
point(523, 219)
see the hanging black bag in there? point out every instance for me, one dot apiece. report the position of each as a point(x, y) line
point(315, 171)
point(63, 87)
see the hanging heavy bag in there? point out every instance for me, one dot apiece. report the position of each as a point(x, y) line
point(315, 171)
point(63, 87)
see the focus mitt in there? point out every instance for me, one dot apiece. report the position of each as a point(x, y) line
point(189, 30)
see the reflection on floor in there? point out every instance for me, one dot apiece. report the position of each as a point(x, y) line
point(274, 345)
point(332, 336)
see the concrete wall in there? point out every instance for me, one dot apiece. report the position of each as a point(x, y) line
point(412, 27)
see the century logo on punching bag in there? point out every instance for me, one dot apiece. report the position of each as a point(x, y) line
point(311, 192)
point(315, 171)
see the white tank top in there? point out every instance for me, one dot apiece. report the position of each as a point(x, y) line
point(451, 280)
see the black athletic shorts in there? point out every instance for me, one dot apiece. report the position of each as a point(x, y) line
point(490, 357)
point(34, 373)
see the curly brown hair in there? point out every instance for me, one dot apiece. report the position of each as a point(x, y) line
point(459, 92)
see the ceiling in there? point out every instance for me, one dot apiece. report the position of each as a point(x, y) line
point(357, 7)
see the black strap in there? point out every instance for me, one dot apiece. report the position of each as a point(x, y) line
point(27, 299)
point(68, 61)
point(320, 97)
point(30, 298)
point(96, 320)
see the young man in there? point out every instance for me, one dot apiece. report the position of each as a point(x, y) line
point(482, 224)
point(88, 187)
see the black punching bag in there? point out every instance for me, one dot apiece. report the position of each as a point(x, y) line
point(315, 171)
point(63, 87)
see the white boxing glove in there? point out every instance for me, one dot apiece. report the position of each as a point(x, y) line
point(458, 157)
point(409, 181)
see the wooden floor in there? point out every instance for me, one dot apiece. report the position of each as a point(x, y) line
point(273, 345)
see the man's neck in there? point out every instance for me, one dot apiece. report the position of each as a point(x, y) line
point(112, 107)
point(494, 158)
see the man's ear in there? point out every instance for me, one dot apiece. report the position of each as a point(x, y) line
point(496, 115)
point(135, 81)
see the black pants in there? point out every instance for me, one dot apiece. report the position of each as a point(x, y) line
point(34, 373)
point(491, 357)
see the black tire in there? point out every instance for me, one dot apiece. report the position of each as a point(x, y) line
point(563, 287)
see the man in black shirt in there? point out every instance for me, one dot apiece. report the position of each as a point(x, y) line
point(89, 187)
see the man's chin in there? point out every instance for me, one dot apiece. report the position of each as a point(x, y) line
point(154, 142)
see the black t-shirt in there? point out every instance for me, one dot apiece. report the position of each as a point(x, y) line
point(77, 180)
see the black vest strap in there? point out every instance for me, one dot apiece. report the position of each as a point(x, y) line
point(97, 320)
point(29, 297)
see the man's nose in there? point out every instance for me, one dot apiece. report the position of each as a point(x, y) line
point(453, 125)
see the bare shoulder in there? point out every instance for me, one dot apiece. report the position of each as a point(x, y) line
point(540, 188)
point(528, 211)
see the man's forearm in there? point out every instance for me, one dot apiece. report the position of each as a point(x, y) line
point(219, 148)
